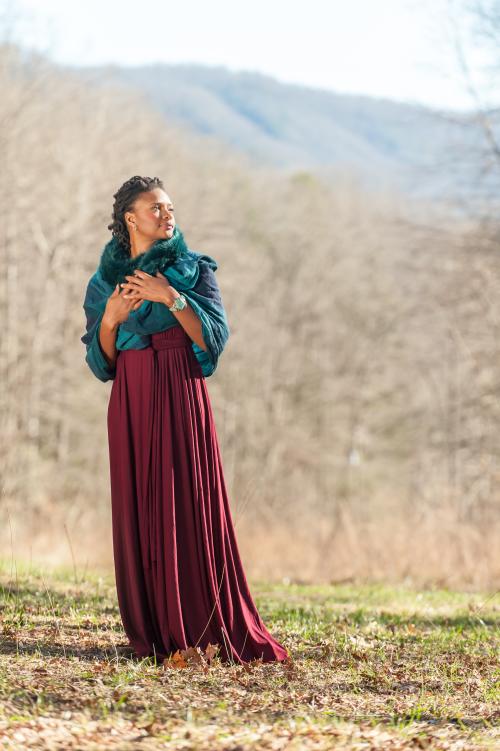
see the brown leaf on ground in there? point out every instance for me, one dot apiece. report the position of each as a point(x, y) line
point(176, 661)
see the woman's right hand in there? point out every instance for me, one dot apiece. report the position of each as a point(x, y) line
point(118, 307)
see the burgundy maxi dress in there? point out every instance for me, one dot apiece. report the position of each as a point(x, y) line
point(179, 577)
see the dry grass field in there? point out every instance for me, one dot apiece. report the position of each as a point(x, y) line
point(372, 667)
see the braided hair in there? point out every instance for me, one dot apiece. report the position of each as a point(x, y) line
point(124, 201)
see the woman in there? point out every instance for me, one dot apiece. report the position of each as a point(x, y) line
point(156, 327)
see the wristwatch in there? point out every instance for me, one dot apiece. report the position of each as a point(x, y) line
point(179, 303)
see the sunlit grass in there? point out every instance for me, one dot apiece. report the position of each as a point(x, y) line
point(370, 665)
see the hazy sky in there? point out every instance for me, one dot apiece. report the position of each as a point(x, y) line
point(401, 49)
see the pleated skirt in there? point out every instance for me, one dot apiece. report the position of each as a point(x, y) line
point(179, 576)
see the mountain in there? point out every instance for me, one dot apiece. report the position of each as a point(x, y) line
point(417, 150)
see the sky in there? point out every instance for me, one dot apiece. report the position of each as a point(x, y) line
point(397, 49)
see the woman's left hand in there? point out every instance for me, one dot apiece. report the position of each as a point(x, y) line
point(146, 287)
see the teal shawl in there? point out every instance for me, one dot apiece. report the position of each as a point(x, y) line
point(187, 271)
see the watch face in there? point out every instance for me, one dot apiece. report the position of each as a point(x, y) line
point(179, 303)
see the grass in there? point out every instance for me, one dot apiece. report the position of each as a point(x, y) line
point(373, 667)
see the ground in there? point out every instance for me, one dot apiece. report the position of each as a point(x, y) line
point(373, 667)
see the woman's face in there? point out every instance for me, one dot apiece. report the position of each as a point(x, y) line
point(153, 215)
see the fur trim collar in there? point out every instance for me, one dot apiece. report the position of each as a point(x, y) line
point(116, 263)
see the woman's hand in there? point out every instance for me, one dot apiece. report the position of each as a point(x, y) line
point(118, 307)
point(146, 287)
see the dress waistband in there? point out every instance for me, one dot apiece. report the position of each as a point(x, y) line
point(175, 336)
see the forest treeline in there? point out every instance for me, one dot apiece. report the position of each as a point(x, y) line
point(356, 401)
